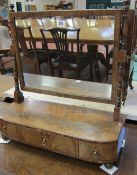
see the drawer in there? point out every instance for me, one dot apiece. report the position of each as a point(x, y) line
point(20, 133)
point(30, 136)
point(97, 152)
point(9, 130)
point(61, 144)
point(43, 139)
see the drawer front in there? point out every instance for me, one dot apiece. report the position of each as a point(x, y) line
point(20, 133)
point(47, 140)
point(7, 128)
point(97, 152)
point(60, 144)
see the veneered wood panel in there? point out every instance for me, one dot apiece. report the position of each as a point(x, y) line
point(47, 140)
point(11, 130)
point(70, 130)
point(30, 136)
point(97, 152)
point(60, 144)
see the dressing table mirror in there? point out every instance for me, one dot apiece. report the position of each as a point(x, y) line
point(111, 30)
point(90, 134)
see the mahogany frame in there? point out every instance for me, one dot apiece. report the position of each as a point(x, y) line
point(125, 28)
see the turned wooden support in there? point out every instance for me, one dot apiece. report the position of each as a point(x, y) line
point(125, 79)
point(126, 43)
point(18, 96)
point(118, 94)
point(122, 46)
point(119, 90)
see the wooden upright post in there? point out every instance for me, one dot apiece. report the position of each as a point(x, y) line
point(121, 62)
point(18, 95)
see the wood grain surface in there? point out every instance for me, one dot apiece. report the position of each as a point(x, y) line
point(19, 159)
point(87, 134)
point(73, 121)
point(91, 30)
point(68, 87)
point(79, 132)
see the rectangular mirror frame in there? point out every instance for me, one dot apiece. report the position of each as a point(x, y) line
point(123, 34)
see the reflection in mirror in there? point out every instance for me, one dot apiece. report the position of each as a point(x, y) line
point(77, 48)
point(88, 51)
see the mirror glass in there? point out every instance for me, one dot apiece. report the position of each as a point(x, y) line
point(75, 60)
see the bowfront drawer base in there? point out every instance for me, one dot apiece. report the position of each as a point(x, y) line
point(96, 152)
point(39, 138)
point(78, 132)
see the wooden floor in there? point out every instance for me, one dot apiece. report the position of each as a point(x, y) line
point(18, 159)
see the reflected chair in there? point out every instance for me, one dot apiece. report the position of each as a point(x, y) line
point(70, 61)
point(30, 54)
point(6, 60)
point(95, 58)
point(109, 61)
point(6, 64)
